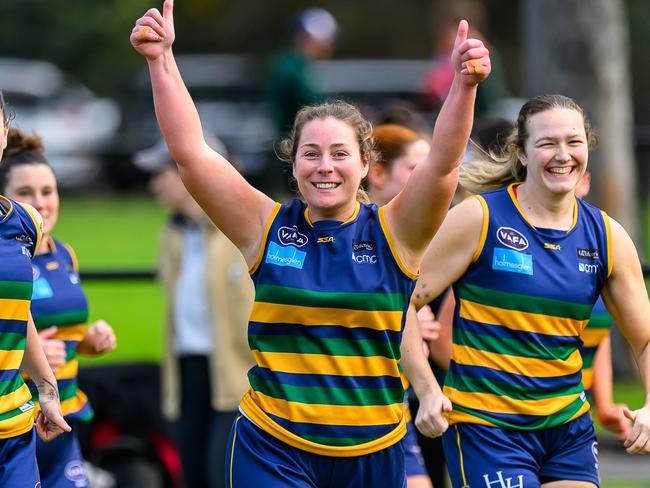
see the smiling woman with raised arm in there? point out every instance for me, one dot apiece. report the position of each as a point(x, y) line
point(20, 234)
point(527, 261)
point(333, 277)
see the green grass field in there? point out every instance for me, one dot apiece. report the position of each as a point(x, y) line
point(118, 233)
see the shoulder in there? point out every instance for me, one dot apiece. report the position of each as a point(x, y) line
point(67, 252)
point(30, 217)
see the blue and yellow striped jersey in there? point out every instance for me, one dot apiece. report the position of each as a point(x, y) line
point(20, 233)
point(594, 333)
point(521, 306)
point(325, 332)
point(58, 300)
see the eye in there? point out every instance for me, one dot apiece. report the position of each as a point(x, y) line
point(340, 154)
point(576, 142)
point(310, 154)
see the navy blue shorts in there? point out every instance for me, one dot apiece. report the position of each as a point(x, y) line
point(18, 461)
point(413, 460)
point(491, 457)
point(60, 462)
point(255, 458)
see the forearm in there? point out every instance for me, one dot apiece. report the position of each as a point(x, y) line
point(414, 363)
point(643, 361)
point(601, 388)
point(176, 113)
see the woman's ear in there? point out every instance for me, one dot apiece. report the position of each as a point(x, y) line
point(522, 157)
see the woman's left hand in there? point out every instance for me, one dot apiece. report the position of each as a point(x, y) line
point(100, 338)
point(470, 58)
point(430, 419)
point(638, 440)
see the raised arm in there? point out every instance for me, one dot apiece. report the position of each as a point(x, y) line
point(237, 208)
point(415, 214)
point(451, 251)
point(627, 301)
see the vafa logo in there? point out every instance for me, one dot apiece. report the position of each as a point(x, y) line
point(289, 236)
point(512, 238)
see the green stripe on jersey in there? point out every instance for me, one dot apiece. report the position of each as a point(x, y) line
point(319, 299)
point(338, 441)
point(61, 319)
point(544, 422)
point(510, 346)
point(516, 392)
point(12, 341)
point(11, 414)
point(524, 303)
point(9, 386)
point(600, 321)
point(328, 346)
point(16, 290)
point(317, 395)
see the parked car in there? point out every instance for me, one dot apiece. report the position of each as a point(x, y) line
point(74, 123)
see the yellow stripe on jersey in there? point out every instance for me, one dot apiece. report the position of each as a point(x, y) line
point(265, 235)
point(11, 359)
point(608, 232)
point(329, 414)
point(294, 314)
point(14, 399)
point(534, 367)
point(325, 364)
point(393, 248)
point(71, 332)
point(503, 404)
point(484, 227)
point(587, 378)
point(257, 415)
point(592, 337)
point(73, 404)
point(523, 321)
point(14, 309)
point(68, 371)
point(18, 425)
point(38, 223)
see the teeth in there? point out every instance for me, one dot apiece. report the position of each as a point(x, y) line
point(325, 186)
point(560, 171)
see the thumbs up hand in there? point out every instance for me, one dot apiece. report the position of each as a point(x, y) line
point(470, 57)
point(153, 33)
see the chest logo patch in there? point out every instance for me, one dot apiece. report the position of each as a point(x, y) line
point(512, 261)
point(289, 236)
point(512, 238)
point(285, 256)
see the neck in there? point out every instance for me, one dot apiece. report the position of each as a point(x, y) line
point(341, 214)
point(44, 246)
point(544, 209)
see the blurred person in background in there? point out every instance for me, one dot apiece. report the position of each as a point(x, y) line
point(208, 296)
point(59, 307)
point(332, 276)
point(399, 150)
point(445, 15)
point(597, 375)
point(528, 260)
point(20, 236)
point(291, 83)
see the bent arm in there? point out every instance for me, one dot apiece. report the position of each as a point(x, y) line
point(451, 251)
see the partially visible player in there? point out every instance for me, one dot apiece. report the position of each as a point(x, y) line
point(597, 376)
point(59, 306)
point(20, 235)
point(399, 151)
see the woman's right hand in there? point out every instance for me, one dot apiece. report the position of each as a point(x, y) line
point(153, 33)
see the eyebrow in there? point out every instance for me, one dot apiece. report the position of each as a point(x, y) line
point(551, 138)
point(317, 146)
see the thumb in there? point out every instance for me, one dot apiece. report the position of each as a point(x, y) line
point(629, 414)
point(48, 333)
point(168, 10)
point(461, 35)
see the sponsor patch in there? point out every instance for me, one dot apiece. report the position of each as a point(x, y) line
point(25, 239)
point(285, 256)
point(512, 261)
point(325, 239)
point(588, 253)
point(512, 238)
point(74, 471)
point(25, 407)
point(289, 236)
point(363, 246)
point(588, 268)
point(364, 258)
point(41, 289)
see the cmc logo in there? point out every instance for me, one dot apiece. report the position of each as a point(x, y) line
point(364, 258)
point(587, 268)
point(512, 238)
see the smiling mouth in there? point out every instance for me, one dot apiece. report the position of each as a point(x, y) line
point(326, 186)
point(564, 170)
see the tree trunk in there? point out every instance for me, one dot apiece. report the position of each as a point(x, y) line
point(579, 48)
